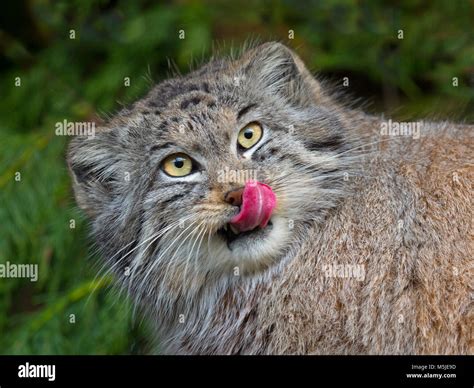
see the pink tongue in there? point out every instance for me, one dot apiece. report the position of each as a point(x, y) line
point(258, 202)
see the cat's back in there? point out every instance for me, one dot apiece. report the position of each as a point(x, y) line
point(390, 271)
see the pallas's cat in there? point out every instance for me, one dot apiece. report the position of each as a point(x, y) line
point(246, 209)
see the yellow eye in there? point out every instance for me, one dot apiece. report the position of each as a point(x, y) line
point(250, 135)
point(177, 165)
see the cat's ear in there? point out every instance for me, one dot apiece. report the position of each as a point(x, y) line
point(94, 167)
point(274, 67)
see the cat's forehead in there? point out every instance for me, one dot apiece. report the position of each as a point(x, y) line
point(223, 79)
point(192, 106)
point(210, 80)
point(197, 125)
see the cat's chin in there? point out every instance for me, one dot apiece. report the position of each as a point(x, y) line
point(234, 239)
point(253, 250)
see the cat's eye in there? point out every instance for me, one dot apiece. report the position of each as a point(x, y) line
point(177, 165)
point(250, 135)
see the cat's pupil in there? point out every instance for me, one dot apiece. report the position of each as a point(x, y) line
point(178, 163)
point(248, 134)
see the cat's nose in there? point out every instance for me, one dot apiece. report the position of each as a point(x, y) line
point(234, 197)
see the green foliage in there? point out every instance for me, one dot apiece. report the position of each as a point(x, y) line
point(83, 79)
point(36, 214)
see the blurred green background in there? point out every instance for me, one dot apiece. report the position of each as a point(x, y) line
point(83, 79)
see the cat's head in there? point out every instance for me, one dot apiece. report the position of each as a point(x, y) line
point(164, 179)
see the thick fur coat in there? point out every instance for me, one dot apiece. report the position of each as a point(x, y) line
point(371, 250)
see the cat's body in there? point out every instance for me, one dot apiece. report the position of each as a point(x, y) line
point(396, 208)
point(409, 222)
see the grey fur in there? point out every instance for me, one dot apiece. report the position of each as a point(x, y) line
point(332, 180)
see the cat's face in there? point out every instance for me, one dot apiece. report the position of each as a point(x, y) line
point(156, 181)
